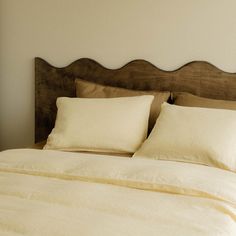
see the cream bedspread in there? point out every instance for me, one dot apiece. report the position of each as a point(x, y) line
point(51, 193)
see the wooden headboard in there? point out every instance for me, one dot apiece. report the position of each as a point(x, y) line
point(199, 78)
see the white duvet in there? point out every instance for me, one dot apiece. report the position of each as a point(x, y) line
point(49, 193)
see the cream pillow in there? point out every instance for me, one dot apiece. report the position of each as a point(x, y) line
point(191, 134)
point(116, 125)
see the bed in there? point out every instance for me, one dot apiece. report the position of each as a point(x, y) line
point(60, 192)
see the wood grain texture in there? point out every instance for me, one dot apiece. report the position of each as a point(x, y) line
point(199, 78)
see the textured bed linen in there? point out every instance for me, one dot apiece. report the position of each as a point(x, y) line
point(58, 193)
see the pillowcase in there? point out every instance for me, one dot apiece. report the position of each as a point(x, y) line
point(191, 134)
point(115, 125)
point(189, 100)
point(85, 89)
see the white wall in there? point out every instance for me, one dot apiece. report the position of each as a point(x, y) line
point(168, 33)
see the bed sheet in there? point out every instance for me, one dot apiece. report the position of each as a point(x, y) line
point(58, 193)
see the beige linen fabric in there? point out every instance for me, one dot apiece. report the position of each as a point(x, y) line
point(51, 193)
point(192, 134)
point(114, 125)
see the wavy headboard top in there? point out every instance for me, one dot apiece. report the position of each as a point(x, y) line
point(200, 78)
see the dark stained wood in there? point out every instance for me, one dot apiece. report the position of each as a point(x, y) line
point(199, 78)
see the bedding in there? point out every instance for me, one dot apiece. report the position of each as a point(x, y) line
point(192, 134)
point(114, 125)
point(85, 89)
point(190, 100)
point(41, 145)
point(55, 193)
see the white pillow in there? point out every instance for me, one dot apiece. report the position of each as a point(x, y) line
point(114, 125)
point(190, 134)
